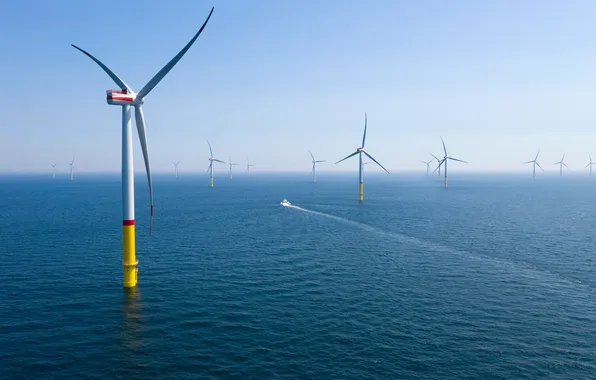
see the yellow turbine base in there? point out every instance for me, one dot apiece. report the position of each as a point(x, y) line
point(361, 191)
point(129, 261)
point(446, 181)
point(211, 182)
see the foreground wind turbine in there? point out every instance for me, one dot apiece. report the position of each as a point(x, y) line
point(231, 164)
point(446, 158)
point(438, 163)
point(590, 165)
point(561, 164)
point(534, 163)
point(211, 159)
point(248, 166)
point(427, 166)
point(71, 168)
point(176, 167)
point(54, 170)
point(314, 173)
point(126, 98)
point(359, 152)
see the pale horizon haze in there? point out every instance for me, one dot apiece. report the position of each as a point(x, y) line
point(272, 79)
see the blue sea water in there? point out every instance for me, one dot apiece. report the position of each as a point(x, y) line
point(492, 278)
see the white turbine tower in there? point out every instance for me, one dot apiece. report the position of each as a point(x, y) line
point(427, 166)
point(71, 168)
point(590, 165)
point(176, 167)
point(561, 164)
point(126, 98)
point(231, 164)
point(248, 166)
point(314, 162)
point(445, 159)
point(211, 159)
point(53, 170)
point(534, 163)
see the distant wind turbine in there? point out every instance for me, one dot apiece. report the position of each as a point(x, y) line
point(211, 160)
point(561, 164)
point(359, 152)
point(176, 167)
point(438, 163)
point(53, 170)
point(590, 165)
point(427, 166)
point(71, 168)
point(127, 98)
point(248, 166)
point(314, 173)
point(446, 158)
point(534, 163)
point(231, 164)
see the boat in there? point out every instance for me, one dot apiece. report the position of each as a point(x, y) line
point(285, 203)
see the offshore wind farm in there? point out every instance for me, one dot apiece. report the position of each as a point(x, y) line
point(470, 256)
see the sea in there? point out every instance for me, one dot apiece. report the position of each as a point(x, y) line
point(493, 277)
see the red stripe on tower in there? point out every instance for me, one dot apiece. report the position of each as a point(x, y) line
point(128, 222)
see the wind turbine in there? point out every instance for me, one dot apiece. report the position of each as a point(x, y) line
point(71, 168)
point(438, 163)
point(534, 162)
point(248, 166)
point(561, 164)
point(427, 166)
point(126, 98)
point(314, 173)
point(359, 152)
point(176, 167)
point(54, 170)
point(211, 159)
point(447, 157)
point(590, 165)
point(231, 164)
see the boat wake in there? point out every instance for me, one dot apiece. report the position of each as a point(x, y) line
point(513, 266)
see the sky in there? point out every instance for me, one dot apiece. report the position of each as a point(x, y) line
point(270, 80)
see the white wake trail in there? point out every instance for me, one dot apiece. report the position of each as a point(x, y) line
point(498, 262)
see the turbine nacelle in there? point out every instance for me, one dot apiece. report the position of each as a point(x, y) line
point(123, 98)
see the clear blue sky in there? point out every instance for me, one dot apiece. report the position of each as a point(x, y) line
point(271, 79)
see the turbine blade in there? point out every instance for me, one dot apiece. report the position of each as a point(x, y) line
point(140, 121)
point(210, 151)
point(313, 157)
point(364, 136)
point(321, 161)
point(353, 154)
point(166, 69)
point(565, 165)
point(209, 167)
point(456, 159)
point(539, 165)
point(377, 162)
point(112, 75)
point(535, 158)
point(440, 163)
point(444, 149)
point(223, 162)
point(436, 158)
point(587, 165)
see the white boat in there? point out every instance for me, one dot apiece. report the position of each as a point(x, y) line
point(285, 203)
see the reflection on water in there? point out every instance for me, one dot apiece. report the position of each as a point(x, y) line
point(132, 323)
